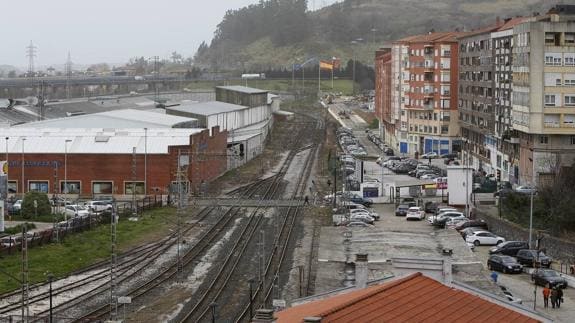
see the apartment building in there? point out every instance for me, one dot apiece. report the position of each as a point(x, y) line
point(424, 72)
point(485, 77)
point(543, 85)
point(383, 95)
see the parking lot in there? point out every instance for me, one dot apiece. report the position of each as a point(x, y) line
point(395, 237)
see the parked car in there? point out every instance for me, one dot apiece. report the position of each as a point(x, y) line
point(60, 201)
point(504, 264)
point(429, 176)
point(430, 207)
point(479, 238)
point(401, 210)
point(509, 248)
point(530, 257)
point(442, 209)
point(504, 192)
point(470, 230)
point(358, 224)
point(76, 211)
point(524, 189)
point(472, 223)
point(429, 155)
point(543, 277)
point(415, 213)
point(449, 215)
point(364, 217)
point(17, 206)
point(373, 214)
point(98, 206)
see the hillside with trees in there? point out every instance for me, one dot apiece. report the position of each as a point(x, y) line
point(275, 34)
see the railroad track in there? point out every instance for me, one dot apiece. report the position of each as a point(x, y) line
point(200, 311)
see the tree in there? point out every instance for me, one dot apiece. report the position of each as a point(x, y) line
point(12, 74)
point(42, 205)
point(176, 58)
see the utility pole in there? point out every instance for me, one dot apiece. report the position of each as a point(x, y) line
point(68, 75)
point(25, 292)
point(113, 260)
point(134, 174)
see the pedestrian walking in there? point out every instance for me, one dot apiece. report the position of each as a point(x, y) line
point(429, 160)
point(546, 293)
point(494, 276)
point(559, 297)
point(554, 296)
point(306, 200)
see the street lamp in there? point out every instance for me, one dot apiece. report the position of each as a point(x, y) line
point(66, 176)
point(531, 202)
point(50, 277)
point(145, 161)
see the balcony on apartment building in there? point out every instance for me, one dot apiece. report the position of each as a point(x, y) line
point(428, 51)
point(428, 76)
point(563, 123)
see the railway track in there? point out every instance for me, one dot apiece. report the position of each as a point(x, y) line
point(213, 294)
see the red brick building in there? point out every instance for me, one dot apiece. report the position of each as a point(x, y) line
point(383, 92)
point(102, 161)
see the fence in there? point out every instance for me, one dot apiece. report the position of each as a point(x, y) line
point(11, 245)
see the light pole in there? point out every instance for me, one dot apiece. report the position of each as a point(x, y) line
point(7, 166)
point(23, 182)
point(50, 277)
point(66, 176)
point(531, 202)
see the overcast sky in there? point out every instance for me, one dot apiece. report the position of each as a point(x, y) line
point(109, 30)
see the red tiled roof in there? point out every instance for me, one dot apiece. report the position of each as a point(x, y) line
point(432, 37)
point(414, 298)
point(513, 22)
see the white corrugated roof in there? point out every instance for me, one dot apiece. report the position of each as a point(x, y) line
point(242, 89)
point(127, 118)
point(93, 140)
point(207, 108)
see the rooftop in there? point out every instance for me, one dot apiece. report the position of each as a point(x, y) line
point(94, 140)
point(436, 37)
point(242, 89)
point(207, 108)
point(414, 298)
point(117, 119)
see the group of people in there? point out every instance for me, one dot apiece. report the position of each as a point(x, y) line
point(556, 295)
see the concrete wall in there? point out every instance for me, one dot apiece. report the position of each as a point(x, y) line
point(558, 249)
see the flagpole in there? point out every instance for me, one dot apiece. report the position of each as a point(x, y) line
point(319, 78)
point(332, 68)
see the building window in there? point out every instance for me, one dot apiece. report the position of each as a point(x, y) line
point(12, 187)
point(444, 130)
point(73, 187)
point(550, 100)
point(570, 39)
point(569, 60)
point(573, 140)
point(129, 188)
point(543, 139)
point(102, 187)
point(570, 100)
point(38, 186)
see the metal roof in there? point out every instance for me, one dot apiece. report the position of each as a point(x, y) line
point(242, 89)
point(207, 108)
point(93, 140)
point(128, 118)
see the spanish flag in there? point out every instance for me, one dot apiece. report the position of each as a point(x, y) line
point(326, 65)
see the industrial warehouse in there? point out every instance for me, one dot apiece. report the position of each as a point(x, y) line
point(130, 152)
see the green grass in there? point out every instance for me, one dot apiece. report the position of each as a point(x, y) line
point(83, 249)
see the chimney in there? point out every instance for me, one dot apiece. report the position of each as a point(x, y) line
point(264, 316)
point(360, 270)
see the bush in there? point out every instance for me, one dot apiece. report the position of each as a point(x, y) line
point(28, 209)
point(374, 124)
